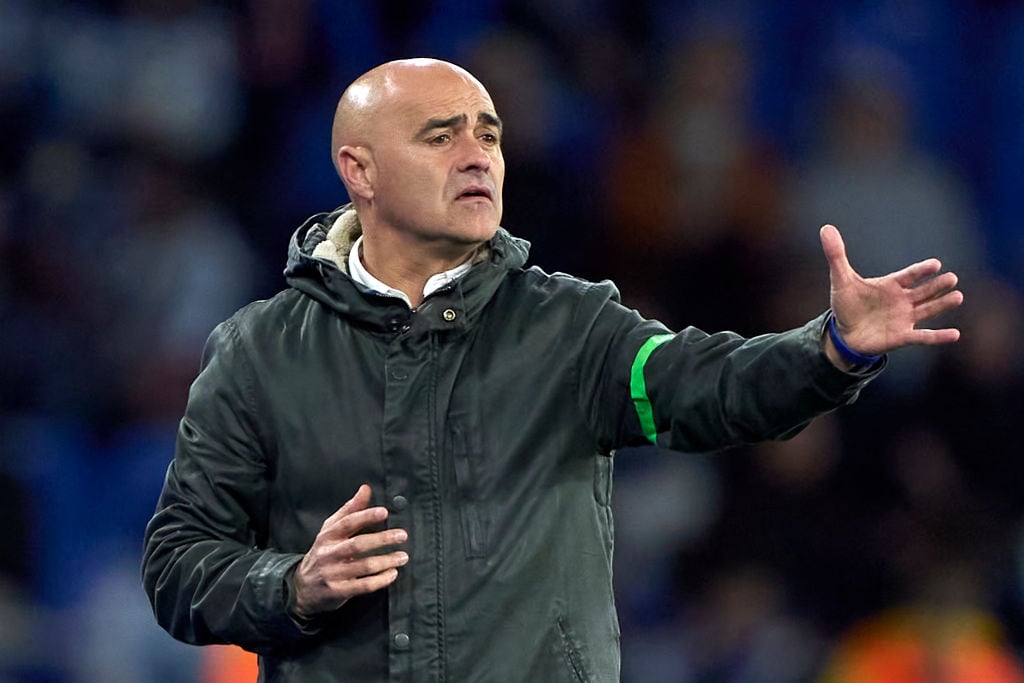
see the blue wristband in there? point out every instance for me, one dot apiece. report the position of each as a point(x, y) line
point(845, 352)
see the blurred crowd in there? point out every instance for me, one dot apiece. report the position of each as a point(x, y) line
point(155, 156)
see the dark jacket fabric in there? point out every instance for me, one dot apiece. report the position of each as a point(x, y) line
point(486, 421)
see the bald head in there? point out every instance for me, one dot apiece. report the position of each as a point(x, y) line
point(418, 145)
point(364, 109)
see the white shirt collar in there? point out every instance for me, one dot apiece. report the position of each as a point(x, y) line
point(360, 274)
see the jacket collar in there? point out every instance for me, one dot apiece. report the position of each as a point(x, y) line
point(317, 266)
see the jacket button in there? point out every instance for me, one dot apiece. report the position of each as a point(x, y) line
point(448, 314)
point(399, 503)
point(399, 374)
point(402, 641)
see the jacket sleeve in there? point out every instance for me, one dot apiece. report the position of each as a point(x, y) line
point(205, 570)
point(695, 392)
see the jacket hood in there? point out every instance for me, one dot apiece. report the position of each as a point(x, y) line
point(318, 266)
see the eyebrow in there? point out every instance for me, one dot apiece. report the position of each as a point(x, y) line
point(490, 120)
point(460, 119)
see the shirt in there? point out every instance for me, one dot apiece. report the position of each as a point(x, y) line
point(360, 274)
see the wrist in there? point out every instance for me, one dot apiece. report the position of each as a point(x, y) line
point(847, 355)
point(298, 614)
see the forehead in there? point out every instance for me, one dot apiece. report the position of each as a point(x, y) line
point(444, 93)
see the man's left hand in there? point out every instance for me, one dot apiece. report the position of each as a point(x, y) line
point(879, 314)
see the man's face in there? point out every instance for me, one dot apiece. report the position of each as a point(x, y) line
point(437, 156)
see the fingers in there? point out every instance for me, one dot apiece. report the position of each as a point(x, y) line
point(322, 584)
point(356, 566)
point(935, 287)
point(340, 535)
point(366, 544)
point(341, 573)
point(369, 584)
point(839, 265)
point(937, 305)
point(345, 560)
point(354, 516)
point(374, 565)
point(357, 502)
point(835, 253)
point(337, 528)
point(946, 335)
point(371, 575)
point(882, 313)
point(913, 274)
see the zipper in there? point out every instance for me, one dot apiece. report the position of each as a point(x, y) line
point(435, 484)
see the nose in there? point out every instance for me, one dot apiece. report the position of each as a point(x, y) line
point(473, 154)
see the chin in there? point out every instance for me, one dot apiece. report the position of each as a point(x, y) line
point(475, 231)
point(485, 234)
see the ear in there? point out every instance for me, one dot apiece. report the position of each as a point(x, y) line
point(356, 169)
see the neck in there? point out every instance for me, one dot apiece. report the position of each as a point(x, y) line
point(406, 264)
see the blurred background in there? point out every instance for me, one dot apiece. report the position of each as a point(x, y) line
point(155, 156)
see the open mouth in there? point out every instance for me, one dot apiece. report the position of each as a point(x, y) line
point(475, 192)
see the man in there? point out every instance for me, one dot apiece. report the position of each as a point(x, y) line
point(471, 405)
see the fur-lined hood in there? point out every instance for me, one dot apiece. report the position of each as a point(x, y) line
point(339, 240)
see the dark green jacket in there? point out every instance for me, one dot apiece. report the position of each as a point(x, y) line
point(485, 421)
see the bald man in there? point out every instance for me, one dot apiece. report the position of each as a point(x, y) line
point(399, 468)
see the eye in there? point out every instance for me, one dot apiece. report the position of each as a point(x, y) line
point(490, 138)
point(440, 139)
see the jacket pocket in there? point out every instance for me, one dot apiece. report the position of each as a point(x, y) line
point(473, 516)
point(603, 465)
point(603, 480)
point(571, 652)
